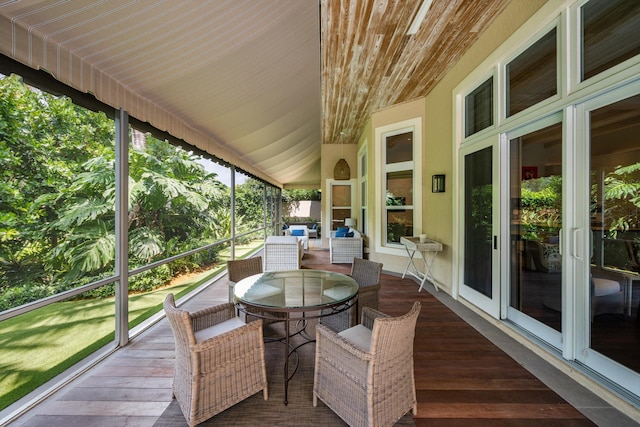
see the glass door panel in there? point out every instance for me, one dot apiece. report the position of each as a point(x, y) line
point(536, 219)
point(479, 239)
point(614, 286)
point(534, 285)
point(478, 220)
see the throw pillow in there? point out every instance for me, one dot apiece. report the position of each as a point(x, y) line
point(349, 234)
point(343, 229)
point(297, 232)
point(341, 233)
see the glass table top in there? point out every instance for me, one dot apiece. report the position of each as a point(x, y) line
point(296, 289)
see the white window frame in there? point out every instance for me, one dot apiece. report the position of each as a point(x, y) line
point(411, 125)
point(362, 190)
point(463, 106)
point(330, 183)
point(625, 70)
point(572, 94)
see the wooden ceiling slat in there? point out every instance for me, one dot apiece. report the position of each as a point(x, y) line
point(369, 63)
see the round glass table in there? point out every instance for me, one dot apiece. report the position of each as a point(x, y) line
point(295, 296)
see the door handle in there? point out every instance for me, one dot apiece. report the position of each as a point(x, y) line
point(576, 248)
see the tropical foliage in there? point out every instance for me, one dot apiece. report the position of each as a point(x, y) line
point(622, 199)
point(541, 206)
point(58, 197)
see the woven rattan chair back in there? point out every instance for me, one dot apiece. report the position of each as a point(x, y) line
point(240, 268)
point(374, 386)
point(220, 369)
point(367, 274)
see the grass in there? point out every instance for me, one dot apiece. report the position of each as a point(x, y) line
point(38, 345)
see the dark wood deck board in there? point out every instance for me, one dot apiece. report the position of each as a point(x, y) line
point(462, 379)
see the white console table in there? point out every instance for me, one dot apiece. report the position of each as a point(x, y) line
point(429, 249)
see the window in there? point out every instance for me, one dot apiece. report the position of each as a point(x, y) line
point(532, 76)
point(398, 195)
point(478, 108)
point(340, 201)
point(610, 34)
point(398, 186)
point(362, 177)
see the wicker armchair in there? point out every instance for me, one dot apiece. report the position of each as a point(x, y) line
point(365, 373)
point(343, 250)
point(241, 268)
point(219, 359)
point(282, 253)
point(367, 274)
point(238, 270)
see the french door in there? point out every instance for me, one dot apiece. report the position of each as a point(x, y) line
point(479, 238)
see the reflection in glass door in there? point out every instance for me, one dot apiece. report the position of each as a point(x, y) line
point(478, 233)
point(479, 240)
point(535, 195)
point(614, 210)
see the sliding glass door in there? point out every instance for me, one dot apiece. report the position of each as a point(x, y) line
point(534, 289)
point(609, 271)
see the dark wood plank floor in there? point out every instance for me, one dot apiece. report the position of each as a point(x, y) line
point(462, 379)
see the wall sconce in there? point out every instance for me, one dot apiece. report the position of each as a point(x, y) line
point(437, 184)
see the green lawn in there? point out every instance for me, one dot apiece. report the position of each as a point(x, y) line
point(37, 346)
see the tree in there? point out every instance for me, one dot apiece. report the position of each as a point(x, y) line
point(173, 203)
point(249, 203)
point(622, 198)
point(43, 142)
point(57, 196)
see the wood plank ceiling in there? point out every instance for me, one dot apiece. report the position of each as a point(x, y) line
point(370, 63)
point(258, 83)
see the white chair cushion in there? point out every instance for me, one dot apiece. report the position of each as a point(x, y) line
point(338, 292)
point(264, 291)
point(282, 239)
point(218, 329)
point(604, 287)
point(359, 335)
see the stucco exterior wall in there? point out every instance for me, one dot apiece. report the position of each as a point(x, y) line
point(437, 112)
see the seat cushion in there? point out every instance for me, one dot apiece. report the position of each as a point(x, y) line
point(263, 291)
point(220, 328)
point(358, 335)
point(282, 239)
point(604, 287)
point(337, 292)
